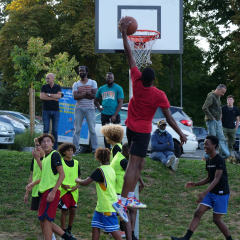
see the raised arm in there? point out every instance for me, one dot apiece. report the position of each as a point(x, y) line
point(128, 52)
point(36, 155)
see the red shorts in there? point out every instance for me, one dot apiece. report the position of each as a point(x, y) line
point(67, 201)
point(48, 210)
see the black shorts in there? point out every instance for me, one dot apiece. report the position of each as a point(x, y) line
point(35, 203)
point(138, 143)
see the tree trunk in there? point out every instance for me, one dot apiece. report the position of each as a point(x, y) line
point(32, 109)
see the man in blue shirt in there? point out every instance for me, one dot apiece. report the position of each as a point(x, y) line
point(162, 147)
point(112, 99)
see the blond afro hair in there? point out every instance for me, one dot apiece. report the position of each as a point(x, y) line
point(114, 132)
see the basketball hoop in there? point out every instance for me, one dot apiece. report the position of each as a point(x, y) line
point(141, 43)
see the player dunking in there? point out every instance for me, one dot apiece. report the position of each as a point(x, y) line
point(141, 109)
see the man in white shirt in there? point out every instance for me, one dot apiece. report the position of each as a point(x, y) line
point(84, 92)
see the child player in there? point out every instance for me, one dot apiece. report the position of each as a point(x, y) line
point(105, 217)
point(141, 109)
point(119, 164)
point(35, 175)
point(50, 182)
point(113, 134)
point(69, 190)
point(217, 193)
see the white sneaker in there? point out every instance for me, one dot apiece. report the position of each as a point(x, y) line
point(170, 161)
point(175, 165)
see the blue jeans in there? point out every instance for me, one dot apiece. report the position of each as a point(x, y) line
point(163, 157)
point(214, 127)
point(79, 115)
point(54, 115)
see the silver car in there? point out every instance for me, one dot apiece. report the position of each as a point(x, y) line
point(7, 134)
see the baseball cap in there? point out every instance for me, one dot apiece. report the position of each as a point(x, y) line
point(161, 122)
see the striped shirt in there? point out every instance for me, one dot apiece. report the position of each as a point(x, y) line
point(82, 88)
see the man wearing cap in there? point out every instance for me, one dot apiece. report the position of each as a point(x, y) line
point(163, 146)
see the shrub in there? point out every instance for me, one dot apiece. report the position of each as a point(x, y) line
point(23, 140)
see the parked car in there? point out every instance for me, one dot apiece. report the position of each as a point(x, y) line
point(24, 119)
point(182, 119)
point(201, 134)
point(236, 144)
point(17, 126)
point(7, 134)
point(190, 147)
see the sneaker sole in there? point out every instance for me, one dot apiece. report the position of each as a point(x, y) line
point(170, 161)
point(176, 165)
point(142, 207)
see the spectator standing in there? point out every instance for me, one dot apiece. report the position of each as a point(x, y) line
point(230, 115)
point(163, 146)
point(84, 92)
point(112, 101)
point(50, 94)
point(212, 110)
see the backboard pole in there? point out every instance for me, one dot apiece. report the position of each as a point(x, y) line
point(136, 229)
point(181, 79)
point(130, 86)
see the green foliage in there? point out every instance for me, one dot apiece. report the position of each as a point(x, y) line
point(63, 69)
point(23, 140)
point(28, 63)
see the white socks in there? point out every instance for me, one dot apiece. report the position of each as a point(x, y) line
point(130, 194)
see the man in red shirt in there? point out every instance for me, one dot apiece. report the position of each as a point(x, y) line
point(141, 109)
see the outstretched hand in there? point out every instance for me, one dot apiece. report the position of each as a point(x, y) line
point(123, 24)
point(183, 139)
point(189, 185)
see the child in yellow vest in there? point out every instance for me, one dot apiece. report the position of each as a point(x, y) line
point(114, 134)
point(49, 185)
point(105, 216)
point(119, 164)
point(69, 190)
point(35, 175)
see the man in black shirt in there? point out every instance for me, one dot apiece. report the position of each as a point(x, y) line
point(50, 94)
point(230, 114)
point(217, 193)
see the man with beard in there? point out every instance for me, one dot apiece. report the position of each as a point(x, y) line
point(50, 94)
point(84, 92)
point(112, 101)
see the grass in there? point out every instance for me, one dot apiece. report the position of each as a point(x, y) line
point(170, 205)
point(23, 140)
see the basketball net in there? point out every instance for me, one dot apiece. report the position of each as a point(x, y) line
point(141, 43)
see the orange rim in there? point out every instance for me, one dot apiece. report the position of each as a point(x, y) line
point(138, 39)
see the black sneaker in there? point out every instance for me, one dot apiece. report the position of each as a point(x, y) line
point(134, 238)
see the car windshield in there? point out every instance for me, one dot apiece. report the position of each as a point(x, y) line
point(28, 117)
point(159, 113)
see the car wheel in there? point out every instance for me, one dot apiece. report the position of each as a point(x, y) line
point(177, 149)
point(201, 145)
point(82, 149)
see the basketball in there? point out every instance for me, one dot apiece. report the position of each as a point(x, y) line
point(133, 26)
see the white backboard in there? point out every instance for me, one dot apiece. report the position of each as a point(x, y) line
point(165, 16)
